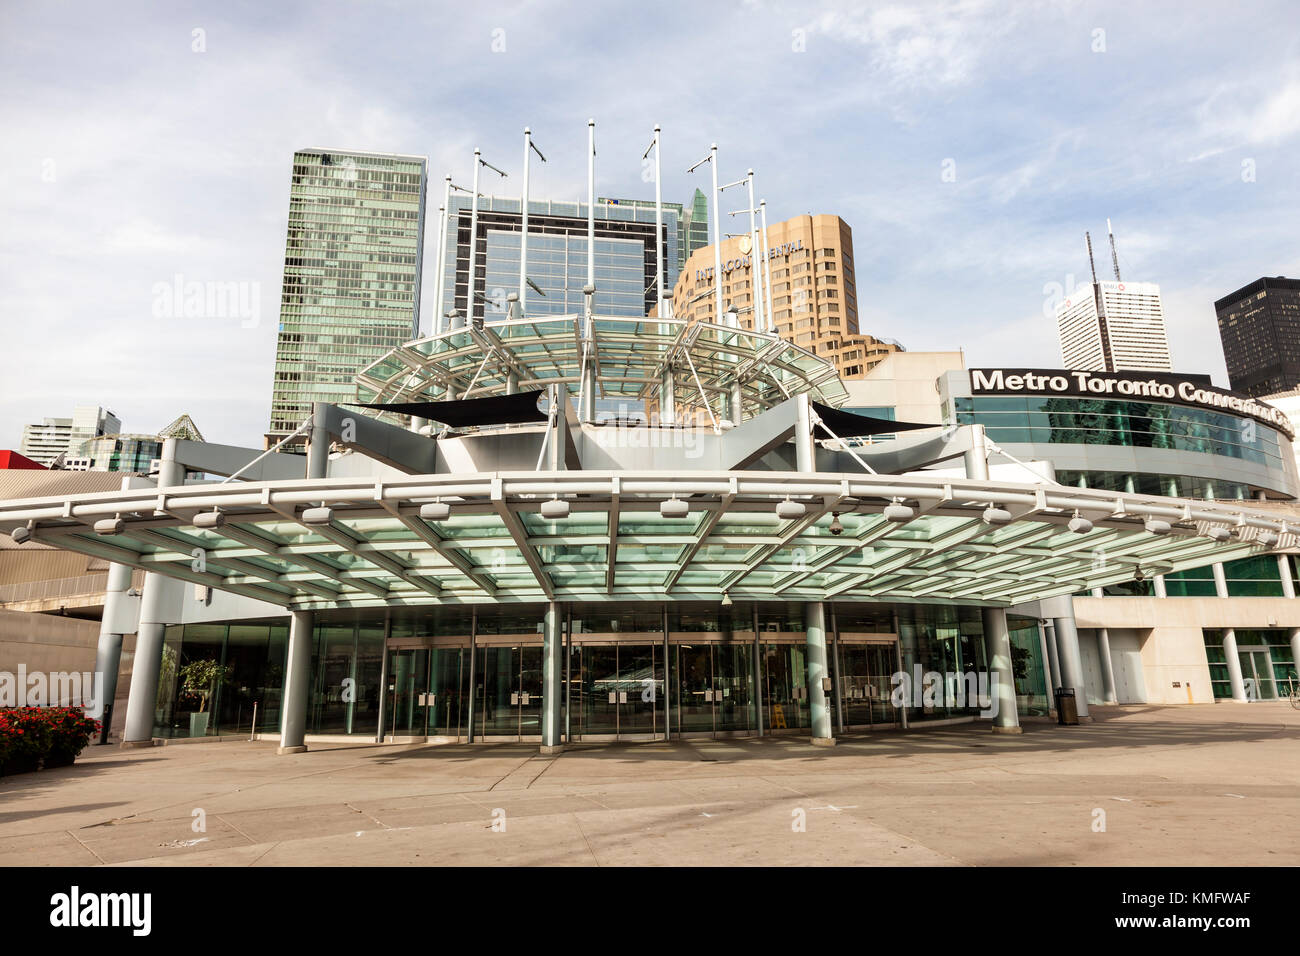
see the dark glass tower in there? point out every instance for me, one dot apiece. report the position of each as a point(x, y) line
point(1259, 326)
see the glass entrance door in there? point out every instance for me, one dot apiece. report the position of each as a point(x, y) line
point(409, 685)
point(714, 688)
point(865, 672)
point(1257, 666)
point(619, 689)
point(785, 687)
point(508, 691)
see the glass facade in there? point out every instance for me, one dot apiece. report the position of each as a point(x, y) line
point(351, 275)
point(1085, 421)
point(253, 655)
point(450, 670)
point(557, 256)
point(1267, 667)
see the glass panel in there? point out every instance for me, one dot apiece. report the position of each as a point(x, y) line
point(530, 690)
point(497, 679)
point(598, 708)
point(641, 680)
point(695, 688)
point(785, 691)
point(733, 686)
point(449, 674)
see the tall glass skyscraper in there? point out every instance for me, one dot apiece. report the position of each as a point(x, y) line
point(351, 274)
point(557, 256)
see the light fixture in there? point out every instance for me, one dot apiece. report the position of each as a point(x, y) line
point(555, 508)
point(1156, 526)
point(726, 599)
point(837, 526)
point(1140, 575)
point(790, 510)
point(674, 507)
point(1267, 538)
point(994, 515)
point(899, 513)
point(317, 517)
point(207, 520)
point(109, 526)
point(21, 534)
point(435, 511)
point(1079, 524)
point(1219, 533)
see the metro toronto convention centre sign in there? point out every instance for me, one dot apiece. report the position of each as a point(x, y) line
point(1194, 391)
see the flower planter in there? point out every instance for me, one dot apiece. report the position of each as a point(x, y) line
point(199, 724)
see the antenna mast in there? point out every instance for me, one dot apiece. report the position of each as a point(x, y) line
point(1091, 265)
point(1114, 256)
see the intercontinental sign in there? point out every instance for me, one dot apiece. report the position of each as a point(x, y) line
point(1193, 391)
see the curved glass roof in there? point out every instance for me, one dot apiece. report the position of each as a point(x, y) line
point(630, 355)
point(361, 542)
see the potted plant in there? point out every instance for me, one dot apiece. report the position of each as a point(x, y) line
point(199, 679)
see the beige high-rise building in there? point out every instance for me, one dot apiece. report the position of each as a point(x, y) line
point(814, 290)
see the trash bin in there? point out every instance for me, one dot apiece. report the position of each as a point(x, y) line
point(1067, 712)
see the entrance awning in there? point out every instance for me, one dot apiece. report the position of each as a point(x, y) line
point(426, 539)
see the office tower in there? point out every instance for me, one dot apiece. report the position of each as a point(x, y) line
point(56, 437)
point(351, 274)
point(814, 292)
point(557, 256)
point(1259, 325)
point(128, 453)
point(1113, 326)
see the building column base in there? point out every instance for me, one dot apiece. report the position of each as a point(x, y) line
point(300, 749)
point(823, 741)
point(551, 751)
point(1007, 730)
point(133, 744)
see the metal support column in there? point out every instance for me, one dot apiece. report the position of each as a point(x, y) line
point(1108, 694)
point(1232, 658)
point(815, 635)
point(151, 630)
point(297, 683)
point(552, 673)
point(318, 443)
point(1067, 639)
point(977, 458)
point(1002, 681)
point(108, 652)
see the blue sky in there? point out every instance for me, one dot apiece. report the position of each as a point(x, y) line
point(128, 158)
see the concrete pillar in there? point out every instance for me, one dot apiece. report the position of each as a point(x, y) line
point(815, 635)
point(1067, 639)
point(1220, 581)
point(318, 443)
point(1160, 586)
point(552, 678)
point(977, 458)
point(1002, 683)
point(1053, 659)
point(108, 653)
point(297, 682)
point(1284, 572)
point(737, 403)
point(142, 702)
point(1233, 660)
point(1108, 694)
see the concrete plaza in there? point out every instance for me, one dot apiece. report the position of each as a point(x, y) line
point(1192, 785)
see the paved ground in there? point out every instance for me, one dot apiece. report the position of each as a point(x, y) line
point(1213, 784)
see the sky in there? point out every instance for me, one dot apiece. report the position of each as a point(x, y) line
point(968, 145)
